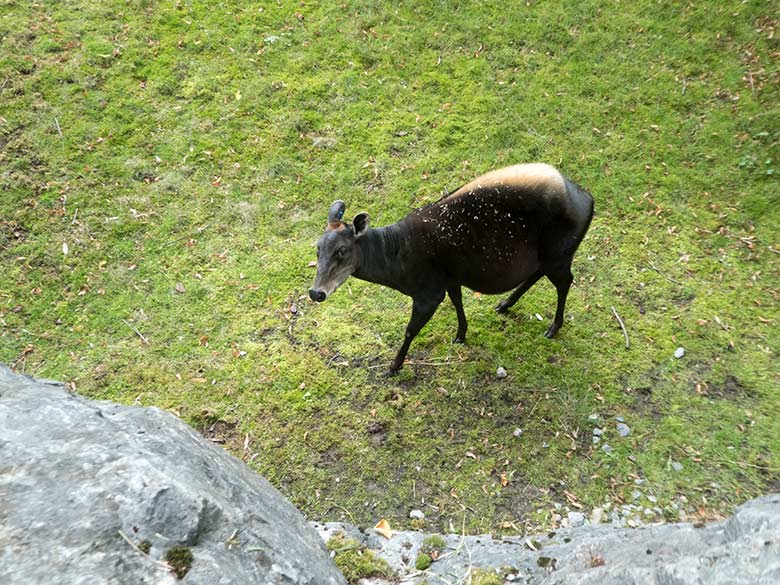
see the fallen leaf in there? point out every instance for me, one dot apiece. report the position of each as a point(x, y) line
point(179, 288)
point(198, 380)
point(383, 527)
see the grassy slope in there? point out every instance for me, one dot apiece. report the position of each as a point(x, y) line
point(199, 144)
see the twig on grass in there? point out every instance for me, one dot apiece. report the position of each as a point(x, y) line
point(622, 326)
point(413, 363)
point(184, 236)
point(753, 465)
point(141, 335)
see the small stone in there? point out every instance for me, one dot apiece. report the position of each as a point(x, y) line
point(606, 448)
point(322, 141)
point(679, 352)
point(596, 440)
point(639, 481)
point(623, 429)
point(576, 519)
point(636, 494)
point(518, 432)
point(652, 499)
point(620, 419)
point(593, 416)
point(417, 515)
point(596, 516)
point(677, 466)
point(598, 432)
point(501, 373)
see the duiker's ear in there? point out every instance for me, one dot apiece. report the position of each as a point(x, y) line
point(360, 223)
point(336, 211)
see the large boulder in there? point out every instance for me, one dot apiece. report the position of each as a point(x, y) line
point(94, 492)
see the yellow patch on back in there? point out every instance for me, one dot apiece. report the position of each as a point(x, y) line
point(532, 176)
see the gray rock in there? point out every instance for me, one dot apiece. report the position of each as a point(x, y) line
point(518, 432)
point(623, 429)
point(501, 372)
point(677, 466)
point(597, 516)
point(598, 432)
point(744, 550)
point(576, 519)
point(417, 515)
point(607, 448)
point(77, 477)
point(679, 352)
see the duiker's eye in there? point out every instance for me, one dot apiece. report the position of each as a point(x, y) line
point(341, 252)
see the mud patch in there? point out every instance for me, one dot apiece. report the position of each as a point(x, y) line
point(731, 389)
point(217, 430)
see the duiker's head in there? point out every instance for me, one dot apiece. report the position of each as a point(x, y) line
point(337, 253)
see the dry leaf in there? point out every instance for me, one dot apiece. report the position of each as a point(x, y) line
point(383, 528)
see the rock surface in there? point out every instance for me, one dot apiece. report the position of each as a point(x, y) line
point(76, 475)
point(743, 550)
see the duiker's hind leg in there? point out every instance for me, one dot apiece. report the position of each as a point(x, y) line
point(518, 292)
point(457, 300)
point(562, 279)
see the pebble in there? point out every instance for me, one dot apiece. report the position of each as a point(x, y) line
point(518, 432)
point(417, 515)
point(596, 440)
point(639, 481)
point(606, 448)
point(501, 373)
point(598, 432)
point(623, 429)
point(593, 416)
point(636, 494)
point(677, 466)
point(596, 516)
point(620, 419)
point(679, 352)
point(653, 499)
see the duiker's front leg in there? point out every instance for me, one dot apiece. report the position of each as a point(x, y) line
point(423, 308)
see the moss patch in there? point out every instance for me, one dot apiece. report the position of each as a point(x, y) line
point(355, 561)
point(180, 559)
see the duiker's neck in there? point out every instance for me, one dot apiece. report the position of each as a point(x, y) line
point(379, 250)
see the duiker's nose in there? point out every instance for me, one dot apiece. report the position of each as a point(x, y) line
point(317, 295)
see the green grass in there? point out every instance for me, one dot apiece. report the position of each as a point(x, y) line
point(187, 152)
